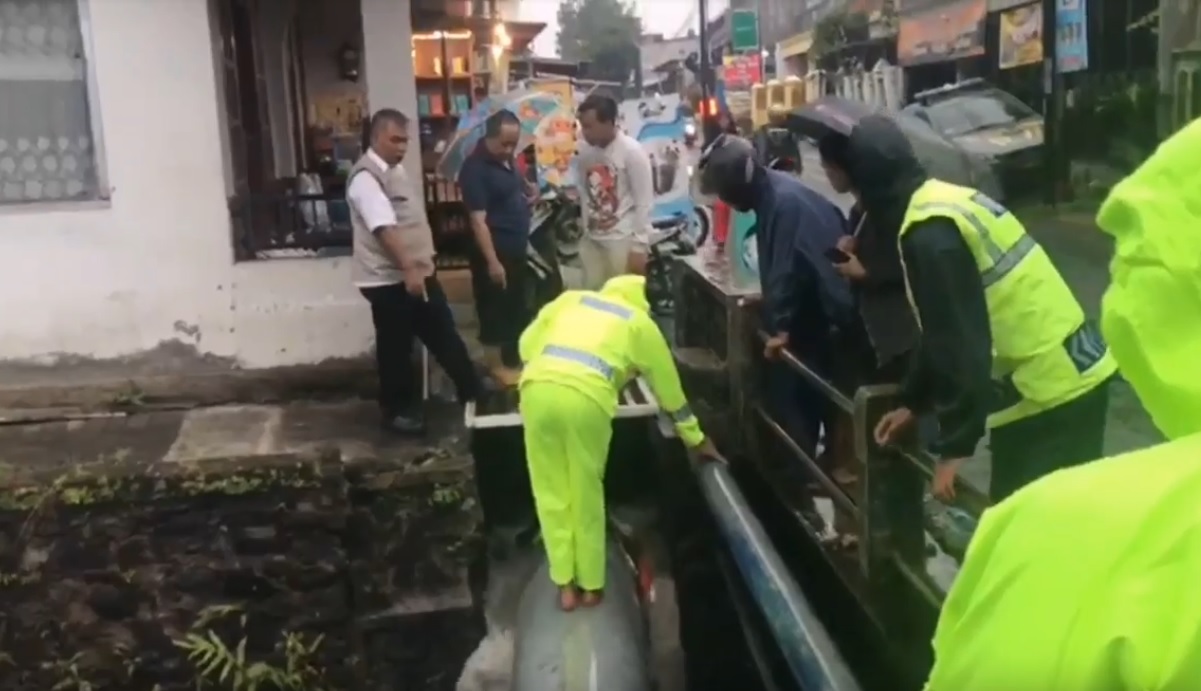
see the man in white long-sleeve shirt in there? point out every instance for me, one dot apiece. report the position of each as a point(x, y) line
point(617, 195)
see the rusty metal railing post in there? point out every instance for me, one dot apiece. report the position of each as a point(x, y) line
point(893, 490)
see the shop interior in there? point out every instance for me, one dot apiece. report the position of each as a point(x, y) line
point(296, 108)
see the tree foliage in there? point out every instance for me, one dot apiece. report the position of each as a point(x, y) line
point(603, 32)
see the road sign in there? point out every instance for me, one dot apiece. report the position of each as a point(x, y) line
point(744, 30)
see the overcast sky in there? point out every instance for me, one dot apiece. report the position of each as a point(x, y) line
point(658, 17)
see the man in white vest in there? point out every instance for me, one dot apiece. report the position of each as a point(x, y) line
point(393, 268)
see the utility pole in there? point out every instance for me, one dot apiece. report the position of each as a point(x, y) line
point(702, 12)
point(1053, 104)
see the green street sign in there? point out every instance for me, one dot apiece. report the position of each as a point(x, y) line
point(744, 30)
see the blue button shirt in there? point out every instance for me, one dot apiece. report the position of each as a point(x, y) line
point(496, 188)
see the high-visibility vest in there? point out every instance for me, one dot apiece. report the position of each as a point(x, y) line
point(1045, 353)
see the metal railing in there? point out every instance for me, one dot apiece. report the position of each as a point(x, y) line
point(883, 512)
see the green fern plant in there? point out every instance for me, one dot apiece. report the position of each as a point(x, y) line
point(218, 666)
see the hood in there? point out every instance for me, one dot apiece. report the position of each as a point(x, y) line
point(1151, 313)
point(884, 170)
point(1004, 139)
point(628, 289)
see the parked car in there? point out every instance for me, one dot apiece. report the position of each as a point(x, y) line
point(991, 123)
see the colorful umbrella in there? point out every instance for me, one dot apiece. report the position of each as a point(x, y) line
point(530, 109)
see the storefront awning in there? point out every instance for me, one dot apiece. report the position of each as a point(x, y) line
point(797, 44)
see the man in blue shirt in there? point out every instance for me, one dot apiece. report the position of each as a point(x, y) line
point(498, 200)
point(803, 297)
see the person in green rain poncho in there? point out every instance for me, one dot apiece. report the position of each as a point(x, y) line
point(1090, 578)
point(579, 353)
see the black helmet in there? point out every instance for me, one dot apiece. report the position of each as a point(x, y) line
point(727, 168)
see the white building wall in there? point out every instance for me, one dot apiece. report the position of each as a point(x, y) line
point(118, 280)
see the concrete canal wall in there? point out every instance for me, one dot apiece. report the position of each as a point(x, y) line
point(304, 567)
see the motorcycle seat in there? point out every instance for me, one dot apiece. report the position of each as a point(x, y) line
point(665, 223)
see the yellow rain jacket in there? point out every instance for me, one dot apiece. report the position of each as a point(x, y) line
point(580, 352)
point(1090, 578)
point(596, 342)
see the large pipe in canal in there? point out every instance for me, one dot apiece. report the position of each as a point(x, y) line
point(812, 657)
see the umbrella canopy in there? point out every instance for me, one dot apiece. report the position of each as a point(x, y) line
point(529, 107)
point(942, 158)
point(828, 115)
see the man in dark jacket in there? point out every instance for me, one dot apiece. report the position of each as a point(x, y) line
point(803, 296)
point(873, 267)
point(952, 368)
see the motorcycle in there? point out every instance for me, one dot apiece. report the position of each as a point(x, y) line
point(555, 232)
point(669, 242)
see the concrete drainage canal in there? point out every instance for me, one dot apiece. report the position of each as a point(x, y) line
point(329, 560)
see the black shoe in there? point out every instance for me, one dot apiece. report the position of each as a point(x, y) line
point(407, 425)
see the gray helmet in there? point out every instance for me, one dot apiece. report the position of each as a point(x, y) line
point(727, 168)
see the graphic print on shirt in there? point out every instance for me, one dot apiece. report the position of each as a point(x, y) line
point(602, 199)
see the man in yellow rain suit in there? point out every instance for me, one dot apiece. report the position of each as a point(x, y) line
point(1090, 578)
point(579, 353)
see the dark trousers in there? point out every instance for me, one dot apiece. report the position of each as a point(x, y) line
point(503, 311)
point(796, 405)
point(1062, 437)
point(398, 318)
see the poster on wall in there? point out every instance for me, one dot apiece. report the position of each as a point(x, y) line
point(943, 34)
point(555, 135)
point(739, 74)
point(1021, 34)
point(1071, 35)
point(658, 124)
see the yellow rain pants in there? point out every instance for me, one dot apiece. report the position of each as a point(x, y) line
point(581, 350)
point(566, 446)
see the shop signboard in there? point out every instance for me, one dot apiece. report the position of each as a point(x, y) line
point(1071, 35)
point(741, 72)
point(1021, 36)
point(555, 135)
point(942, 34)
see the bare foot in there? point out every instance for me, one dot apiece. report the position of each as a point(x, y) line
point(506, 376)
point(569, 598)
point(592, 598)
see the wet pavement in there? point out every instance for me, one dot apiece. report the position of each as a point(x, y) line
point(303, 428)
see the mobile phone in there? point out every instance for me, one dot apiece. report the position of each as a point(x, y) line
point(837, 256)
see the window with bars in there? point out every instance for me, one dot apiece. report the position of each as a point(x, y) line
point(49, 132)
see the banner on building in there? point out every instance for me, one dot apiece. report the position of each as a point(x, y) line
point(1021, 34)
point(741, 72)
point(942, 34)
point(1071, 35)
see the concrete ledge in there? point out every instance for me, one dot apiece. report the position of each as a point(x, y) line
point(65, 394)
